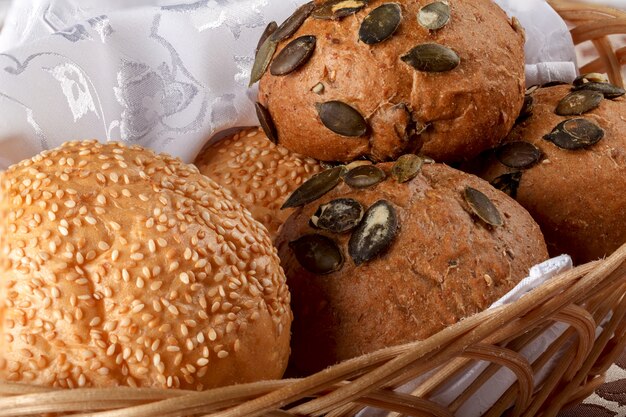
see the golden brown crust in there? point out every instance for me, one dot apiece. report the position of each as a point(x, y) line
point(122, 267)
point(577, 197)
point(444, 265)
point(258, 173)
point(470, 108)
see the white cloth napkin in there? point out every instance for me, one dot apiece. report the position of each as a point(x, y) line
point(550, 53)
point(166, 74)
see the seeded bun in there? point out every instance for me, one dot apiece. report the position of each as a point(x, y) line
point(258, 173)
point(576, 196)
point(401, 277)
point(387, 106)
point(122, 267)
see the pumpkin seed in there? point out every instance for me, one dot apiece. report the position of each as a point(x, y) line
point(575, 134)
point(517, 26)
point(317, 254)
point(266, 122)
point(380, 24)
point(338, 9)
point(579, 102)
point(342, 118)
point(269, 29)
point(527, 108)
point(508, 183)
point(434, 15)
point(364, 176)
point(291, 57)
point(609, 91)
point(592, 77)
point(519, 155)
point(338, 216)
point(482, 206)
point(407, 167)
point(293, 22)
point(432, 57)
point(315, 187)
point(262, 60)
point(329, 164)
point(375, 233)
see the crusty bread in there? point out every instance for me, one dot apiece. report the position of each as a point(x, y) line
point(444, 264)
point(576, 196)
point(258, 173)
point(462, 111)
point(122, 267)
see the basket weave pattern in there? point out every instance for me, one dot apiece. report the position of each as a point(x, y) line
point(581, 298)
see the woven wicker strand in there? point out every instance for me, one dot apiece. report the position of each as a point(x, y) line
point(582, 298)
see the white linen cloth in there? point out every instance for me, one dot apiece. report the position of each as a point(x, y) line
point(166, 74)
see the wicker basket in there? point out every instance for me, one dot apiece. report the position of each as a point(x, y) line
point(582, 298)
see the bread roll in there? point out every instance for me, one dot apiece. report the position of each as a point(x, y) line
point(122, 267)
point(338, 89)
point(401, 277)
point(258, 173)
point(576, 195)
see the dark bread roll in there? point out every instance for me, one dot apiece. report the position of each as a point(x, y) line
point(576, 195)
point(453, 98)
point(426, 266)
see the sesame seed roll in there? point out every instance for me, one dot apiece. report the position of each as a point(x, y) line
point(122, 267)
point(260, 174)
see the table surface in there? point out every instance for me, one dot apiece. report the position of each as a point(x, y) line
point(609, 400)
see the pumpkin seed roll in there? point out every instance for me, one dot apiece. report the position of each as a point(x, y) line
point(565, 162)
point(380, 255)
point(348, 79)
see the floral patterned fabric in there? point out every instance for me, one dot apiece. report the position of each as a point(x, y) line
point(609, 400)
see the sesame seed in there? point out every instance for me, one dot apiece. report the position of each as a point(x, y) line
point(212, 335)
point(111, 350)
